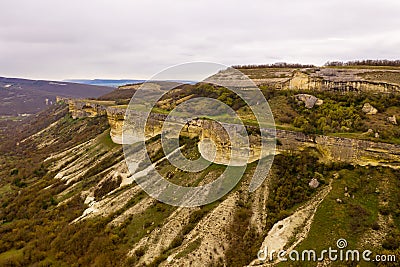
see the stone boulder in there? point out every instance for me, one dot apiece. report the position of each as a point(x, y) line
point(313, 183)
point(392, 120)
point(370, 132)
point(309, 100)
point(369, 109)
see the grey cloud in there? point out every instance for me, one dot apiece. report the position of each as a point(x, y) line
point(135, 39)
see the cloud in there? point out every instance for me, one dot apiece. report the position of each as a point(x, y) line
point(135, 39)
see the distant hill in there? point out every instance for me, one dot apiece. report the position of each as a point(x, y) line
point(125, 92)
point(106, 82)
point(21, 96)
point(118, 83)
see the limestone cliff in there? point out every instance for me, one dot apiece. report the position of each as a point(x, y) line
point(332, 148)
point(322, 82)
point(115, 118)
point(81, 108)
point(207, 131)
point(359, 152)
point(328, 79)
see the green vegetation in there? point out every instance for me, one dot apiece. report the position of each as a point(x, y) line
point(365, 62)
point(288, 189)
point(191, 150)
point(243, 237)
point(382, 76)
point(5, 189)
point(339, 115)
point(330, 117)
point(357, 212)
point(105, 139)
point(11, 257)
point(190, 248)
point(132, 231)
point(168, 102)
point(343, 113)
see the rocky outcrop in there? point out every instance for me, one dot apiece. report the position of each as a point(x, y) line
point(313, 79)
point(115, 118)
point(309, 100)
point(82, 108)
point(392, 120)
point(331, 148)
point(359, 152)
point(217, 134)
point(369, 109)
point(60, 99)
point(209, 132)
point(336, 82)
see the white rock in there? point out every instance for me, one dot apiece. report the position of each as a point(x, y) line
point(170, 258)
point(369, 109)
point(309, 100)
point(313, 183)
point(392, 120)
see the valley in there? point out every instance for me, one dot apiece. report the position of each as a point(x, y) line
point(68, 198)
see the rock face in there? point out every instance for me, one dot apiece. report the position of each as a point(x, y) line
point(309, 100)
point(353, 151)
point(332, 80)
point(369, 109)
point(87, 108)
point(115, 118)
point(332, 148)
point(209, 132)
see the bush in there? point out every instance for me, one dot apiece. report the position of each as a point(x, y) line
point(140, 252)
point(17, 182)
point(375, 226)
point(392, 241)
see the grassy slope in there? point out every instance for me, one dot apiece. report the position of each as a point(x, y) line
point(353, 218)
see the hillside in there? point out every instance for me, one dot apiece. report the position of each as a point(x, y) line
point(106, 82)
point(21, 96)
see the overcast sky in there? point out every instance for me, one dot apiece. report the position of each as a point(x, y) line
point(63, 39)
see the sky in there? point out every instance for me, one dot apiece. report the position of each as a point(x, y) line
point(86, 39)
